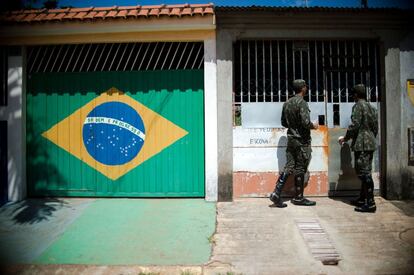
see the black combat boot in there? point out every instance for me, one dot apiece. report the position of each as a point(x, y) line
point(275, 197)
point(361, 199)
point(299, 199)
point(369, 202)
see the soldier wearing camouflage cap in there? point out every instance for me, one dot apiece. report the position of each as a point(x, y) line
point(363, 132)
point(296, 117)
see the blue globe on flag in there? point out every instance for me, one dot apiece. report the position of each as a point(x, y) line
point(113, 133)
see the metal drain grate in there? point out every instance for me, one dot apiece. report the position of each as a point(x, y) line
point(318, 241)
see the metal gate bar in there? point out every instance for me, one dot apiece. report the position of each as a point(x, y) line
point(116, 57)
point(346, 61)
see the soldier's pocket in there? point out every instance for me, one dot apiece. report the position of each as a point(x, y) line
point(306, 153)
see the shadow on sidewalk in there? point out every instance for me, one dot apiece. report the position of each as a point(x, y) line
point(32, 211)
point(407, 207)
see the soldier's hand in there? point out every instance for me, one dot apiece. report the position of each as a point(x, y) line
point(341, 140)
point(315, 125)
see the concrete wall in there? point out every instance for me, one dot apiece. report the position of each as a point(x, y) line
point(407, 113)
point(398, 114)
point(225, 115)
point(13, 113)
point(210, 118)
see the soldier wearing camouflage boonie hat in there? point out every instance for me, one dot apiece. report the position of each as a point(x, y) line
point(296, 117)
point(363, 132)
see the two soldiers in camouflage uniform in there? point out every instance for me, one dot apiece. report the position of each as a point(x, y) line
point(363, 132)
point(296, 117)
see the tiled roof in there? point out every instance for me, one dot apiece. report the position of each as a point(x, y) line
point(300, 9)
point(101, 13)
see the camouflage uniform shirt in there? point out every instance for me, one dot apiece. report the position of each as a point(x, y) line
point(364, 127)
point(296, 117)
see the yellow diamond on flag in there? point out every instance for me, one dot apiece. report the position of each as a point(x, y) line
point(114, 133)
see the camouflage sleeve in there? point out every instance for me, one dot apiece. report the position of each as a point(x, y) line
point(283, 119)
point(356, 118)
point(375, 124)
point(305, 116)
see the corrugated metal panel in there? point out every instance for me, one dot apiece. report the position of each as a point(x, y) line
point(171, 161)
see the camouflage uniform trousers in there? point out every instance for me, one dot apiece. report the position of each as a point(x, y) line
point(363, 162)
point(297, 159)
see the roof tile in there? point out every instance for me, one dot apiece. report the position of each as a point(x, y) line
point(154, 12)
point(176, 11)
point(59, 10)
point(187, 11)
point(30, 17)
point(133, 13)
point(101, 14)
point(129, 7)
point(165, 12)
point(90, 15)
point(122, 13)
point(111, 14)
point(59, 16)
point(199, 11)
point(209, 10)
point(70, 15)
point(143, 12)
point(40, 17)
point(81, 9)
point(80, 15)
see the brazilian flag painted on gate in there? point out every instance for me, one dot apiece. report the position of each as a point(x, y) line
point(121, 134)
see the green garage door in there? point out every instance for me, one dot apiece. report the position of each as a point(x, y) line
point(116, 133)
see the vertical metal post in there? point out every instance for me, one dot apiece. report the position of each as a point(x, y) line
point(368, 77)
point(248, 71)
point(376, 72)
point(271, 71)
point(241, 71)
point(360, 59)
point(278, 70)
point(330, 64)
point(293, 60)
point(339, 74)
point(264, 73)
point(346, 73)
point(353, 63)
point(309, 77)
point(286, 72)
point(316, 72)
point(255, 66)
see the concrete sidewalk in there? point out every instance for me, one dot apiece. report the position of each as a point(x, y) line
point(256, 239)
point(253, 238)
